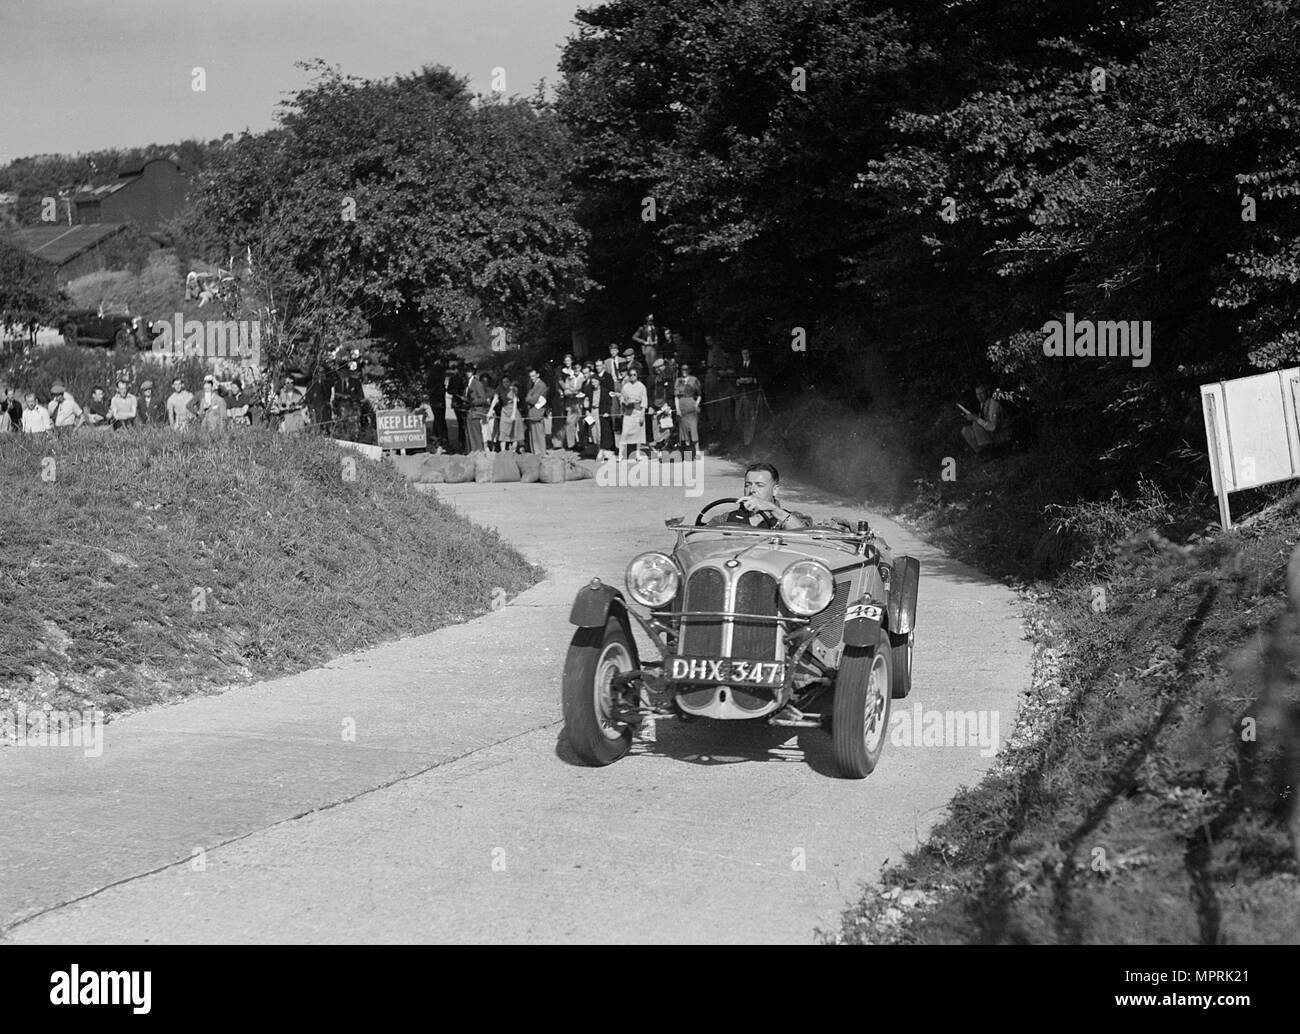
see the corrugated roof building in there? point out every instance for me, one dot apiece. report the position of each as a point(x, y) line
point(75, 250)
point(145, 194)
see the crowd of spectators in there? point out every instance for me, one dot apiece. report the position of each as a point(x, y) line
point(635, 399)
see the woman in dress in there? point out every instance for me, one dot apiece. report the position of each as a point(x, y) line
point(511, 425)
point(634, 409)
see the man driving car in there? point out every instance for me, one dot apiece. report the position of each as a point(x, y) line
point(759, 508)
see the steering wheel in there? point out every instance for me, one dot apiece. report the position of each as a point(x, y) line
point(699, 519)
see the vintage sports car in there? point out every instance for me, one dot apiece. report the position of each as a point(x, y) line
point(811, 627)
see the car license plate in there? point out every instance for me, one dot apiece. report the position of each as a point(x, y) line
point(726, 670)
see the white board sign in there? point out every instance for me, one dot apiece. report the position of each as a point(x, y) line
point(1252, 428)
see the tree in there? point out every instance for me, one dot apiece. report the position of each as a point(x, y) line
point(395, 209)
point(29, 291)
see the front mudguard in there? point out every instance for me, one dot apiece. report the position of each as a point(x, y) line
point(593, 606)
point(902, 595)
point(862, 623)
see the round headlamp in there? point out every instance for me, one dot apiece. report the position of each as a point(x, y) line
point(652, 579)
point(807, 586)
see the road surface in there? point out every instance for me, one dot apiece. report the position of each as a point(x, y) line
point(456, 813)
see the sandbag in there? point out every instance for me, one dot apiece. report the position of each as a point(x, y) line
point(482, 467)
point(574, 471)
point(408, 466)
point(552, 470)
point(504, 467)
point(529, 467)
point(460, 470)
point(436, 461)
point(432, 476)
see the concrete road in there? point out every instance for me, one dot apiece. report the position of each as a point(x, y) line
point(455, 812)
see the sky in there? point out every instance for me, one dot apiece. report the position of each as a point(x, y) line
point(94, 74)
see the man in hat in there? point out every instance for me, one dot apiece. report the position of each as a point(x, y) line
point(146, 410)
point(629, 361)
point(179, 412)
point(64, 411)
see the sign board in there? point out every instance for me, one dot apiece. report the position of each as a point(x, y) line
point(400, 429)
point(1252, 427)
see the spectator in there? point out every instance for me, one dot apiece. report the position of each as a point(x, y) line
point(491, 424)
point(349, 393)
point(11, 406)
point(210, 407)
point(36, 418)
point(610, 409)
point(437, 387)
point(146, 411)
point(289, 407)
point(456, 383)
point(989, 426)
point(535, 412)
point(634, 408)
point(123, 408)
point(614, 358)
point(572, 387)
point(647, 336)
point(237, 399)
point(97, 408)
point(64, 411)
point(687, 393)
point(179, 413)
point(511, 432)
point(476, 409)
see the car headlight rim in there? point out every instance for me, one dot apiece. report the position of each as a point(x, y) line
point(652, 579)
point(807, 587)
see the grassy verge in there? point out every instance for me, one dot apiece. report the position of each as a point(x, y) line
point(1146, 793)
point(143, 566)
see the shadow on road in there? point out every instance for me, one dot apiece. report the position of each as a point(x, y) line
point(709, 742)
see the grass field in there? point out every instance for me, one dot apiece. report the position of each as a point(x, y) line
point(142, 566)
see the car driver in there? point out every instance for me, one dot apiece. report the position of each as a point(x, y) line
point(759, 508)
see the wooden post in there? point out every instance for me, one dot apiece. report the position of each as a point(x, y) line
point(1221, 483)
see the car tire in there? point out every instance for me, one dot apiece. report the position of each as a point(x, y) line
point(860, 715)
point(594, 656)
point(900, 659)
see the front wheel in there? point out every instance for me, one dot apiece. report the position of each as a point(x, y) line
point(860, 717)
point(595, 656)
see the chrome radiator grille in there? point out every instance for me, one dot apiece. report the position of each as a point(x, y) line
point(702, 636)
point(755, 640)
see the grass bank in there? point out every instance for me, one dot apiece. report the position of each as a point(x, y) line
point(144, 566)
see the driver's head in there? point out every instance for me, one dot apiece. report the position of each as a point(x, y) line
point(761, 480)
